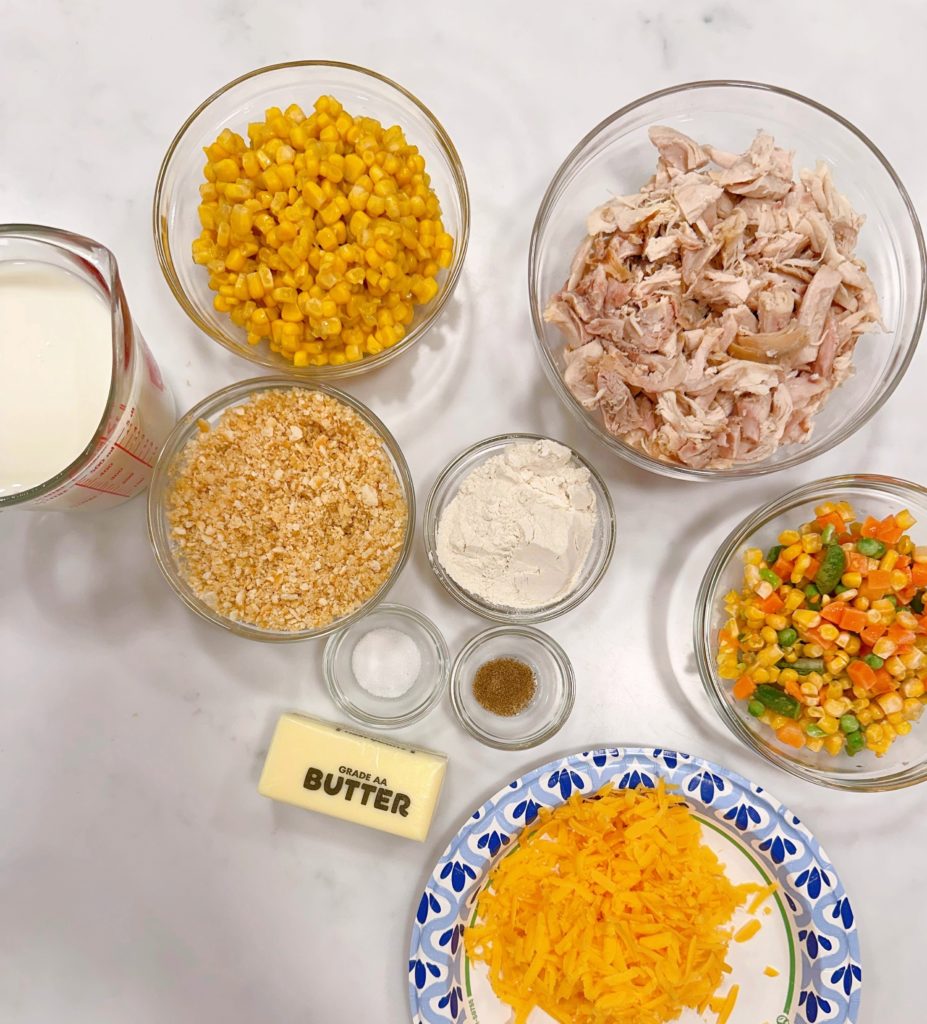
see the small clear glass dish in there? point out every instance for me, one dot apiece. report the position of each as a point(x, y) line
point(388, 712)
point(446, 488)
point(553, 698)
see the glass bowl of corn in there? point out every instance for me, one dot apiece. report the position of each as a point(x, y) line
point(312, 217)
point(811, 632)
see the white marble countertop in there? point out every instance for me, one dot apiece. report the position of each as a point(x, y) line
point(142, 879)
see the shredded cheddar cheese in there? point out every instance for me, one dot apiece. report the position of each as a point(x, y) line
point(609, 911)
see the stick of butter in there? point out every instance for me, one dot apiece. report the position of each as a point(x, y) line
point(337, 771)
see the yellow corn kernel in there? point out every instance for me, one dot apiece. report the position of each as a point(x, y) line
point(788, 537)
point(905, 546)
point(753, 556)
point(890, 703)
point(913, 687)
point(806, 618)
point(801, 566)
point(829, 723)
point(837, 664)
point(829, 631)
point(837, 707)
point(904, 519)
point(862, 603)
point(793, 600)
point(788, 675)
point(864, 715)
point(851, 579)
point(889, 560)
point(814, 744)
point(903, 728)
point(769, 635)
point(912, 708)
point(852, 646)
point(900, 579)
point(884, 648)
point(769, 655)
point(759, 674)
point(808, 689)
point(834, 744)
point(777, 721)
point(793, 551)
point(777, 622)
point(811, 543)
point(877, 713)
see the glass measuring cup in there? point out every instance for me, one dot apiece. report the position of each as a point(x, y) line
point(117, 462)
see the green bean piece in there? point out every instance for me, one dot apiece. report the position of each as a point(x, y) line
point(917, 603)
point(771, 578)
point(805, 666)
point(777, 700)
point(855, 742)
point(814, 730)
point(833, 565)
point(772, 555)
point(756, 708)
point(849, 723)
point(828, 534)
point(870, 547)
point(787, 636)
point(874, 661)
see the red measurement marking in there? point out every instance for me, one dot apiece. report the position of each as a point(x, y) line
point(102, 490)
point(134, 456)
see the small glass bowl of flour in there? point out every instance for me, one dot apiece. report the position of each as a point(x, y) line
point(387, 669)
point(519, 528)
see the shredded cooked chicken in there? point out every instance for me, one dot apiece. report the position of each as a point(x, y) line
point(710, 315)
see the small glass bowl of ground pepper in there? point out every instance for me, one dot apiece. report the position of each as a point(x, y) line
point(512, 687)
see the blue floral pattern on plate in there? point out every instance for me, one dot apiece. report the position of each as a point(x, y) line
point(829, 975)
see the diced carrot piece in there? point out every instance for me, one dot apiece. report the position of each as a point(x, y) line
point(834, 611)
point(906, 596)
point(869, 527)
point(791, 734)
point(783, 569)
point(853, 620)
point(743, 688)
point(904, 562)
point(879, 579)
point(812, 569)
point(772, 604)
point(861, 674)
point(900, 635)
point(793, 689)
point(883, 683)
point(834, 519)
point(872, 633)
point(919, 575)
point(857, 562)
point(888, 531)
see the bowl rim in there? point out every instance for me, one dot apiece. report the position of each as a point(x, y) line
point(563, 710)
point(606, 516)
point(803, 452)
point(215, 404)
point(703, 642)
point(256, 354)
point(435, 693)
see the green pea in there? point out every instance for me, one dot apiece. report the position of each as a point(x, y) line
point(814, 730)
point(828, 534)
point(870, 547)
point(771, 578)
point(855, 742)
point(755, 708)
point(874, 661)
point(849, 723)
point(840, 588)
point(787, 637)
point(772, 555)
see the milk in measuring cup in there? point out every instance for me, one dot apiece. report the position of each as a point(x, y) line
point(56, 355)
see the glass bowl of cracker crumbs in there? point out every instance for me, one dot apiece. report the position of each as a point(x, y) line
point(302, 185)
point(281, 510)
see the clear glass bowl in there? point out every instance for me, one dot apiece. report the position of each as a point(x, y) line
point(549, 708)
point(906, 760)
point(597, 561)
point(388, 712)
point(210, 410)
point(363, 92)
point(616, 158)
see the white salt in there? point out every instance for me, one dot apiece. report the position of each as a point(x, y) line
point(386, 662)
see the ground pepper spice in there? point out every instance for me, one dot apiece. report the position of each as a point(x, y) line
point(504, 686)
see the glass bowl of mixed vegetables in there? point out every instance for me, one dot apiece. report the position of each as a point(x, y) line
point(811, 632)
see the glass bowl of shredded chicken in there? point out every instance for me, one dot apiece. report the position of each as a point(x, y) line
point(726, 279)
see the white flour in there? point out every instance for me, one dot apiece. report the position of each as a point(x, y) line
point(518, 531)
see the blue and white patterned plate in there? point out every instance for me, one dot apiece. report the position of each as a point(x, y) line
point(808, 932)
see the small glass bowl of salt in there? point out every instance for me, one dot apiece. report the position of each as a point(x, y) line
point(387, 669)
